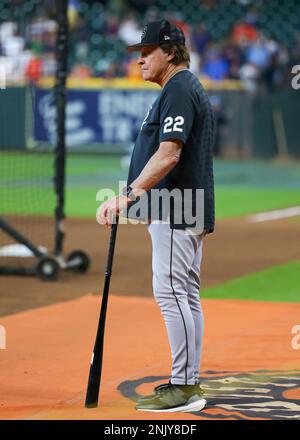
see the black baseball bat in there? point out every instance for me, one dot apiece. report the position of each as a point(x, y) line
point(93, 387)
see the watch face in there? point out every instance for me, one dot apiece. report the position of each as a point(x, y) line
point(127, 191)
point(131, 194)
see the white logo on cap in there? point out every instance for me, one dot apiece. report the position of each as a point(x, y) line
point(167, 37)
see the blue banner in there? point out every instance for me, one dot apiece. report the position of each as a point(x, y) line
point(93, 116)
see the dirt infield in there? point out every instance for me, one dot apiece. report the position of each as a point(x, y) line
point(249, 368)
point(236, 248)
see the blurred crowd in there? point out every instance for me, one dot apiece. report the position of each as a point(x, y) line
point(98, 45)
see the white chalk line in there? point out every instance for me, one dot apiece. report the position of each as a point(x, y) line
point(275, 215)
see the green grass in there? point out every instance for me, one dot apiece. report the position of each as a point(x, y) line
point(236, 202)
point(93, 164)
point(81, 200)
point(242, 187)
point(26, 183)
point(279, 283)
point(25, 165)
point(85, 205)
point(230, 202)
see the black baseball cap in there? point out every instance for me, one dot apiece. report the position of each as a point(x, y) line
point(159, 32)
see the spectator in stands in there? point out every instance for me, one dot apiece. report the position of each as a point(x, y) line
point(41, 29)
point(250, 74)
point(276, 74)
point(129, 30)
point(215, 65)
point(80, 70)
point(133, 70)
point(195, 61)
point(243, 33)
point(11, 41)
point(200, 38)
point(258, 53)
point(247, 54)
point(235, 58)
point(49, 64)
point(34, 69)
point(15, 54)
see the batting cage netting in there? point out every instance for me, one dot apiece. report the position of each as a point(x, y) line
point(32, 175)
point(246, 54)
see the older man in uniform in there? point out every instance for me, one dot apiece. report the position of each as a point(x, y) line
point(173, 151)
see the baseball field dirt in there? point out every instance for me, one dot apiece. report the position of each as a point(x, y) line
point(250, 369)
point(237, 247)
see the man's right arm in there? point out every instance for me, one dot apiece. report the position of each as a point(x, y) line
point(160, 164)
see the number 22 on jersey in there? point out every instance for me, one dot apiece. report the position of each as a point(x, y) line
point(173, 124)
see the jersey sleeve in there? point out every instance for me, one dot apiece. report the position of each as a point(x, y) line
point(176, 114)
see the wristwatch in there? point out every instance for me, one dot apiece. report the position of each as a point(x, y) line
point(128, 192)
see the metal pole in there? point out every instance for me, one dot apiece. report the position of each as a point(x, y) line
point(60, 100)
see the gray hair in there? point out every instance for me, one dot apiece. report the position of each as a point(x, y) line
point(181, 53)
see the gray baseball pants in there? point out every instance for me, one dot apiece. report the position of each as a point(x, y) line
point(176, 259)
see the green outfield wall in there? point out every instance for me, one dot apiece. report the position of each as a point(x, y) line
point(13, 118)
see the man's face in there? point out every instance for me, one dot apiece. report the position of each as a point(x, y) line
point(154, 63)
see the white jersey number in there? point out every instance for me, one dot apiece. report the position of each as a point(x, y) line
point(173, 124)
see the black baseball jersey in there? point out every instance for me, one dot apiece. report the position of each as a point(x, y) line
point(182, 111)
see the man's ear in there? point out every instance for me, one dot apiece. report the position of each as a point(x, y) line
point(171, 55)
